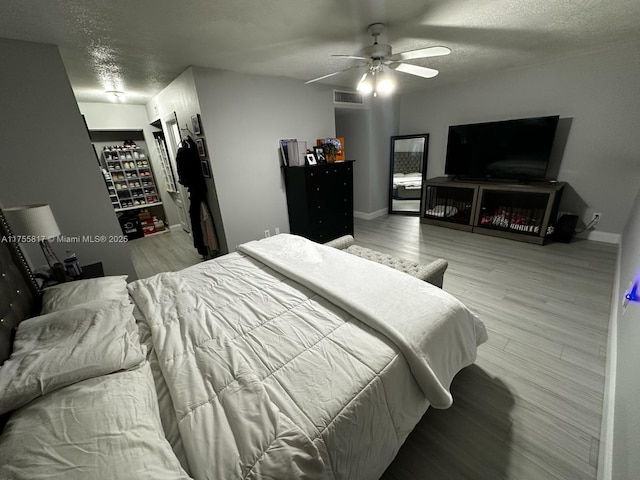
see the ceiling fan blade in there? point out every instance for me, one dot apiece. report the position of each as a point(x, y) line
point(331, 74)
point(414, 70)
point(420, 53)
point(354, 57)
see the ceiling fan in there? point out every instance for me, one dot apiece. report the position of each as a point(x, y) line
point(379, 56)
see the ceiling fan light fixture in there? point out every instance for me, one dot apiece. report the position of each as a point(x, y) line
point(376, 81)
point(381, 62)
point(385, 84)
point(365, 85)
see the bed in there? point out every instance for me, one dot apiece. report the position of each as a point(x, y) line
point(285, 359)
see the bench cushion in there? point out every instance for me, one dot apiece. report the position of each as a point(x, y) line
point(432, 272)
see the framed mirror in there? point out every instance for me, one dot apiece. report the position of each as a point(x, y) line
point(408, 173)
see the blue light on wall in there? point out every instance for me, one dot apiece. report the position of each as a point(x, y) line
point(632, 293)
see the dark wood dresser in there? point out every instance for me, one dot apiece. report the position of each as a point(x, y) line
point(320, 200)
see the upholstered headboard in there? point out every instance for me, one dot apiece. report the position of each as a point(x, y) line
point(19, 295)
point(407, 162)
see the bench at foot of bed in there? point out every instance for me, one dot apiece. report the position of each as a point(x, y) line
point(432, 272)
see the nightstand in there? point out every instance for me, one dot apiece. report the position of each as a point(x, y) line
point(93, 270)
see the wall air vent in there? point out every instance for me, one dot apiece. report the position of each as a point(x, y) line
point(340, 97)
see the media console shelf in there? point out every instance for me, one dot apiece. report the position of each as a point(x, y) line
point(525, 212)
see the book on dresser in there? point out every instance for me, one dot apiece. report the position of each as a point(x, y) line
point(320, 200)
point(297, 151)
point(284, 150)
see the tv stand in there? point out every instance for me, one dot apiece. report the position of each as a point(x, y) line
point(519, 211)
point(489, 180)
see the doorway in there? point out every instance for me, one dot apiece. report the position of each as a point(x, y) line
point(172, 143)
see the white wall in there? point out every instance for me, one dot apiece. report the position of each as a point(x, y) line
point(180, 96)
point(626, 328)
point(353, 125)
point(367, 133)
point(243, 117)
point(47, 156)
point(595, 94)
point(114, 116)
point(384, 124)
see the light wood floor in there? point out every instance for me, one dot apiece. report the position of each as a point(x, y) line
point(530, 408)
point(163, 252)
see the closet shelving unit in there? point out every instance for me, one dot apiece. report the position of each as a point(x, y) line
point(126, 166)
point(129, 178)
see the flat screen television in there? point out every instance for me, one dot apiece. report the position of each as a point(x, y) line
point(509, 149)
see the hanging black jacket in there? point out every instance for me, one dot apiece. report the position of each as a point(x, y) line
point(190, 175)
point(189, 169)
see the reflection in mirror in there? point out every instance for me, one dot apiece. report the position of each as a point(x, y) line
point(408, 172)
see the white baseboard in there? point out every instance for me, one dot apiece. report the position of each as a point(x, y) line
point(606, 237)
point(372, 215)
point(177, 225)
point(605, 453)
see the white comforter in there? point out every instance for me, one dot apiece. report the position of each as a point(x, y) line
point(273, 375)
point(408, 180)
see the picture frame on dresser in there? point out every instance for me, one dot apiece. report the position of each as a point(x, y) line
point(311, 159)
point(318, 151)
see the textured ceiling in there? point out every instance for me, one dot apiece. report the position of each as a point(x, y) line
point(141, 46)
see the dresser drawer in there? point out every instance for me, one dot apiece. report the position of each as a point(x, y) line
point(329, 232)
point(320, 200)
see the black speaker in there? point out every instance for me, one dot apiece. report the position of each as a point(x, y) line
point(565, 228)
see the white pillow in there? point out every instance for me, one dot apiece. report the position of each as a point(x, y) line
point(70, 294)
point(101, 428)
point(60, 348)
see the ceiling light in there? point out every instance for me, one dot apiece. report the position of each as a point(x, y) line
point(376, 80)
point(384, 83)
point(364, 85)
point(115, 95)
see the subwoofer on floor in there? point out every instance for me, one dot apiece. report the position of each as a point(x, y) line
point(565, 228)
